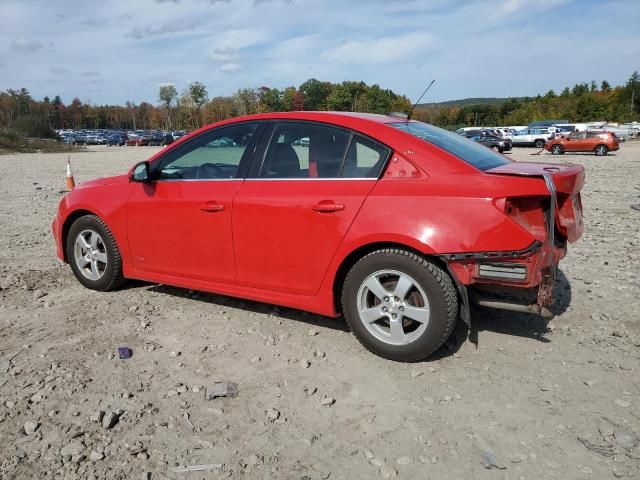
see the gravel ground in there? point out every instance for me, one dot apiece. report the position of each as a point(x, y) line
point(530, 400)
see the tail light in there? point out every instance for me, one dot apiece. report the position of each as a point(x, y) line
point(528, 212)
point(570, 222)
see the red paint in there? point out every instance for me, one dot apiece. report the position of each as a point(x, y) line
point(283, 241)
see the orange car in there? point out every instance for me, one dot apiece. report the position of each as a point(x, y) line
point(597, 142)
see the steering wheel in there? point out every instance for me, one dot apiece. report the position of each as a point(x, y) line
point(209, 170)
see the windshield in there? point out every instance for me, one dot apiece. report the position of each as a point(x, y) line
point(467, 150)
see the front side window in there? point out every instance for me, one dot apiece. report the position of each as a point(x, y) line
point(466, 150)
point(212, 155)
point(305, 150)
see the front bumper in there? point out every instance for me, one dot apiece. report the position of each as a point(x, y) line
point(56, 229)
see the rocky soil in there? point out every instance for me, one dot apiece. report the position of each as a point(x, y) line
point(530, 400)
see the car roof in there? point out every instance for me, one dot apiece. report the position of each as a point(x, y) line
point(323, 116)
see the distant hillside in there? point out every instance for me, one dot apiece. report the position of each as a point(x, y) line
point(466, 102)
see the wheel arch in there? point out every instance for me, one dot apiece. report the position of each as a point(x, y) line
point(352, 258)
point(66, 226)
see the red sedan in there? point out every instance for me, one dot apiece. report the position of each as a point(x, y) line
point(137, 141)
point(392, 223)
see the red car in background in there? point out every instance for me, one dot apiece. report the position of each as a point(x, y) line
point(390, 222)
point(137, 141)
point(598, 142)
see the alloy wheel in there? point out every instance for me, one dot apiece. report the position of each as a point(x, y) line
point(393, 307)
point(90, 254)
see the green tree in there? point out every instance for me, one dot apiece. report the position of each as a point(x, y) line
point(168, 94)
point(315, 94)
point(270, 100)
point(198, 94)
point(339, 99)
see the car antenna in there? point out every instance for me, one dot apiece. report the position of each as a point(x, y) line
point(418, 101)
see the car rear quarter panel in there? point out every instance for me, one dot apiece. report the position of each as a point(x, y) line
point(438, 215)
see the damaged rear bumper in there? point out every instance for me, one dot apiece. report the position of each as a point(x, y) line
point(520, 270)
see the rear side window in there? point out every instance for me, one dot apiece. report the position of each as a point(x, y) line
point(365, 158)
point(465, 149)
point(305, 150)
point(311, 150)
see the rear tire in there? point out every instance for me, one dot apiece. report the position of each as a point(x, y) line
point(601, 150)
point(93, 254)
point(557, 150)
point(539, 143)
point(399, 305)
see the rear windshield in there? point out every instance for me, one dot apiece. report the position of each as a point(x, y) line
point(467, 150)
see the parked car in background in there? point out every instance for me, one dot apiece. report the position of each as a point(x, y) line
point(137, 141)
point(505, 133)
point(528, 137)
point(392, 223)
point(178, 134)
point(494, 143)
point(117, 139)
point(80, 138)
point(597, 142)
point(568, 128)
point(161, 139)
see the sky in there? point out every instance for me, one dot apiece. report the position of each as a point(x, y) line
point(113, 51)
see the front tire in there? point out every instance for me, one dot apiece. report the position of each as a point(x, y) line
point(557, 150)
point(601, 150)
point(399, 305)
point(93, 254)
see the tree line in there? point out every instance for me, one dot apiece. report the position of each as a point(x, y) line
point(192, 108)
point(584, 102)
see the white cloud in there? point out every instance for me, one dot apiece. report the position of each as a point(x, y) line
point(382, 50)
point(174, 26)
point(238, 39)
point(59, 71)
point(230, 45)
point(223, 54)
point(26, 45)
point(230, 67)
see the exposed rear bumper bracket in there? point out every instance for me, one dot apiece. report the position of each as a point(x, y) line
point(514, 307)
point(500, 254)
point(545, 291)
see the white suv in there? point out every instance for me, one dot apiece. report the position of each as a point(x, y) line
point(537, 137)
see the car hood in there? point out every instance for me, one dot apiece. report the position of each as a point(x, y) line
point(118, 179)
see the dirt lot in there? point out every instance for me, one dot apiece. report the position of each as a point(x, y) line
point(530, 401)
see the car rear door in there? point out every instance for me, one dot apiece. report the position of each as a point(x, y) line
point(298, 202)
point(180, 223)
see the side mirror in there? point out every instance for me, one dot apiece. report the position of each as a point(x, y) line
point(140, 173)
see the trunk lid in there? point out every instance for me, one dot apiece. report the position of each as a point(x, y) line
point(568, 180)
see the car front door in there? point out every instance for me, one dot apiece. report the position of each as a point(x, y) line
point(180, 223)
point(298, 202)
